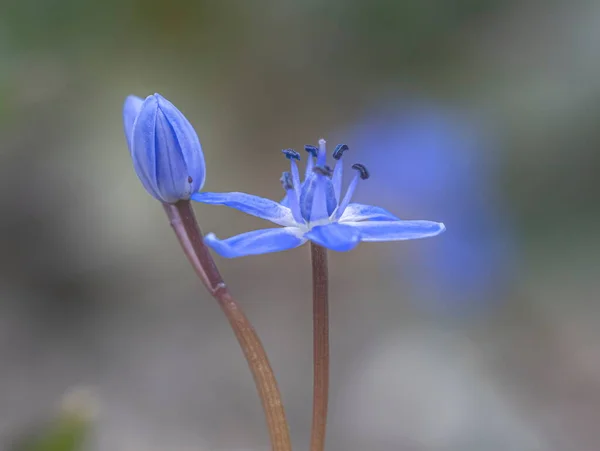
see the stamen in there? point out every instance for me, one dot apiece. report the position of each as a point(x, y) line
point(361, 171)
point(338, 170)
point(291, 154)
point(339, 151)
point(323, 170)
point(336, 179)
point(287, 181)
point(364, 174)
point(296, 176)
point(322, 156)
point(314, 151)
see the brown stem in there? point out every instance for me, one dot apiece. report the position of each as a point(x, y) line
point(320, 346)
point(182, 219)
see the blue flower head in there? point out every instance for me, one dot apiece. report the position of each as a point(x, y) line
point(439, 159)
point(165, 149)
point(314, 210)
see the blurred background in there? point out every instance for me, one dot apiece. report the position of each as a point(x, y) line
point(480, 114)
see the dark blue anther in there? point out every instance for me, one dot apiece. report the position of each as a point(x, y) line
point(312, 150)
point(291, 154)
point(286, 181)
point(364, 174)
point(323, 170)
point(339, 151)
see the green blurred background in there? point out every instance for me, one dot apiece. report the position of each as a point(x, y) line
point(95, 292)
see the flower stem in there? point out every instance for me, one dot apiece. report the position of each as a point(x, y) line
point(320, 346)
point(182, 219)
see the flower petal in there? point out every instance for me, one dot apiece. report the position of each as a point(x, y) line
point(361, 212)
point(335, 236)
point(256, 242)
point(171, 166)
point(396, 230)
point(143, 143)
point(131, 109)
point(252, 205)
point(185, 141)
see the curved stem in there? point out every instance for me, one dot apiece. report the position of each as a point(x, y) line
point(320, 346)
point(183, 221)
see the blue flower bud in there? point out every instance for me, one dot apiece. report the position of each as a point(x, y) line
point(165, 149)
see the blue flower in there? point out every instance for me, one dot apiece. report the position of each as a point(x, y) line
point(165, 149)
point(313, 210)
point(439, 159)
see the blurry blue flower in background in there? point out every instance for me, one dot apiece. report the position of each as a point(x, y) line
point(165, 149)
point(429, 160)
point(314, 210)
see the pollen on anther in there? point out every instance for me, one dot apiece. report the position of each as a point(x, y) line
point(314, 151)
point(323, 170)
point(291, 154)
point(287, 181)
point(364, 174)
point(339, 151)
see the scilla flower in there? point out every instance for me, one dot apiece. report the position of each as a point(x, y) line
point(314, 210)
point(165, 149)
point(436, 158)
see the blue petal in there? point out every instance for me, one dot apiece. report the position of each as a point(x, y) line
point(256, 242)
point(186, 140)
point(171, 168)
point(396, 230)
point(361, 212)
point(252, 205)
point(143, 146)
point(131, 109)
point(335, 236)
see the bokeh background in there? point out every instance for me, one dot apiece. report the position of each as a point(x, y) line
point(480, 114)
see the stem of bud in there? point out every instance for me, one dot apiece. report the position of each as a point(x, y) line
point(182, 219)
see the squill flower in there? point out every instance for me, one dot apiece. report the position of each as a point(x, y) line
point(165, 149)
point(313, 210)
point(436, 158)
